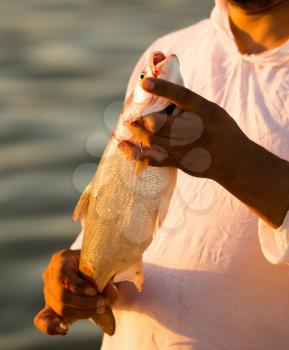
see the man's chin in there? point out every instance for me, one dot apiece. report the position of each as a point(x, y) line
point(254, 4)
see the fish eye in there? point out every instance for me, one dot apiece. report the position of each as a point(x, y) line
point(141, 76)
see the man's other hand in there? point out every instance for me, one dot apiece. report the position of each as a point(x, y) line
point(69, 296)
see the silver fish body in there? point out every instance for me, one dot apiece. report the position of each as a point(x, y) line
point(123, 207)
point(124, 211)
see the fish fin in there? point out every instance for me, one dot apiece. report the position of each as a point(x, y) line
point(81, 208)
point(134, 273)
point(166, 200)
point(140, 166)
point(105, 321)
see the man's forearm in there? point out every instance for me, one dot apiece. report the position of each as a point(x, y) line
point(260, 180)
point(221, 151)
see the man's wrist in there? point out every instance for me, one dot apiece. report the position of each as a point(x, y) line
point(234, 160)
point(259, 179)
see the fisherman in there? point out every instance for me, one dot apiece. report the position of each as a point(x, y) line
point(215, 276)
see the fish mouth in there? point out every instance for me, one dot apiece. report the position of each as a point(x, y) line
point(157, 63)
point(156, 58)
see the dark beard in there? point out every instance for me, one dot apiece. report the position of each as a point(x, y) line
point(253, 3)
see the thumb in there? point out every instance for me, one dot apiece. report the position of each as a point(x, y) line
point(177, 94)
point(48, 322)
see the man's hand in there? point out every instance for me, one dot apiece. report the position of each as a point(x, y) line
point(202, 139)
point(69, 296)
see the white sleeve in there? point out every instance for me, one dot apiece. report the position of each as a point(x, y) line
point(275, 242)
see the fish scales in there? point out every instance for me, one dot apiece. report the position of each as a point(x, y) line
point(126, 201)
point(125, 218)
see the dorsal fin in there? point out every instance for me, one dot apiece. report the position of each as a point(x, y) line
point(140, 165)
point(81, 208)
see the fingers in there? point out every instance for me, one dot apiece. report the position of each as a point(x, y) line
point(72, 306)
point(156, 123)
point(48, 322)
point(140, 133)
point(66, 292)
point(167, 131)
point(156, 129)
point(149, 155)
point(69, 296)
point(110, 292)
point(147, 138)
point(148, 126)
point(71, 280)
point(63, 270)
point(179, 95)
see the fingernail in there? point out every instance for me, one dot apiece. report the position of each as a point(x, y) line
point(100, 310)
point(122, 146)
point(63, 327)
point(100, 303)
point(148, 84)
point(90, 291)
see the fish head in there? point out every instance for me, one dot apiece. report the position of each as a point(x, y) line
point(159, 66)
point(141, 102)
point(165, 67)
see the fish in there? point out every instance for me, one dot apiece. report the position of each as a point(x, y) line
point(127, 200)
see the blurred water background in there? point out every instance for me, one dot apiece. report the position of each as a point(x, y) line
point(64, 66)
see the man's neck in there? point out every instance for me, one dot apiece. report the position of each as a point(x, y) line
point(262, 28)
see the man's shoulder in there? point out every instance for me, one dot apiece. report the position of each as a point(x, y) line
point(181, 38)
